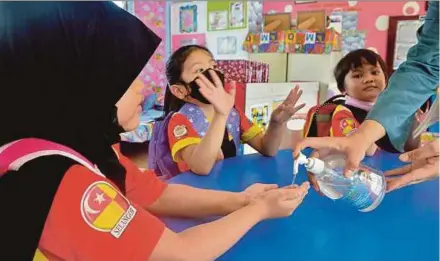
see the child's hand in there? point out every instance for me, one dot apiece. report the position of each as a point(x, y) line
point(281, 202)
point(257, 189)
point(420, 116)
point(215, 93)
point(424, 163)
point(287, 109)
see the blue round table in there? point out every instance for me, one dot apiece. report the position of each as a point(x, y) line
point(404, 227)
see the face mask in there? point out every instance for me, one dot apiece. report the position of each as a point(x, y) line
point(195, 93)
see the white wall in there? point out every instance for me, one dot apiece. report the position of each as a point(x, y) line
point(267, 93)
point(313, 67)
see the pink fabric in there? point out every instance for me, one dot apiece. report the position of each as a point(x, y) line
point(152, 14)
point(24, 147)
point(359, 104)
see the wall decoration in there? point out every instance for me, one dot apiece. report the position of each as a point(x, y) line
point(309, 42)
point(180, 40)
point(212, 42)
point(225, 15)
point(352, 40)
point(367, 14)
point(182, 15)
point(293, 41)
point(237, 15)
point(218, 15)
point(311, 20)
point(277, 22)
point(334, 21)
point(152, 14)
point(411, 8)
point(218, 20)
point(332, 41)
point(350, 21)
point(188, 19)
point(227, 45)
point(260, 115)
point(255, 16)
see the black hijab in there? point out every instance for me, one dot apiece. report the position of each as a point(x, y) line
point(63, 67)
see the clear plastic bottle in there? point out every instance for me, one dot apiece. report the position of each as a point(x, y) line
point(364, 190)
point(431, 118)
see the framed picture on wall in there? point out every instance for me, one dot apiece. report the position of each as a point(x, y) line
point(188, 19)
point(402, 35)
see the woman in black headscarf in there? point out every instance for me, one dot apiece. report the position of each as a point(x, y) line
point(63, 67)
point(68, 88)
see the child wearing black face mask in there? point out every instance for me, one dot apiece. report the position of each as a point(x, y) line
point(201, 122)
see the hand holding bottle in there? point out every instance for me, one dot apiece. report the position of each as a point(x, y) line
point(364, 190)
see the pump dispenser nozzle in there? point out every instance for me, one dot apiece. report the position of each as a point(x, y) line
point(301, 159)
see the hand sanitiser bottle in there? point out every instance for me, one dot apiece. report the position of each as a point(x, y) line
point(364, 190)
point(431, 118)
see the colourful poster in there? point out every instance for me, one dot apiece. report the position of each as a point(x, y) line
point(180, 40)
point(152, 13)
point(188, 19)
point(260, 115)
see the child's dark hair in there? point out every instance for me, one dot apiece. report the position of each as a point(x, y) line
point(174, 72)
point(354, 60)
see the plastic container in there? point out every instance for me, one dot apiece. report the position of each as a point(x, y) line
point(365, 190)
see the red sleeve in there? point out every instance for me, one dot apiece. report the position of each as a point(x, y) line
point(245, 123)
point(343, 122)
point(91, 220)
point(248, 130)
point(142, 187)
point(181, 134)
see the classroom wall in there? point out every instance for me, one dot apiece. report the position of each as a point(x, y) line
point(373, 16)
